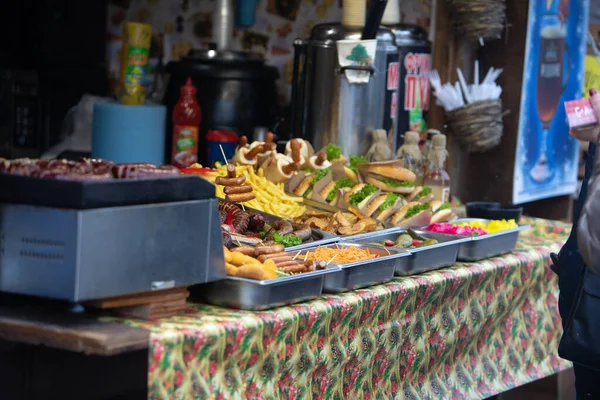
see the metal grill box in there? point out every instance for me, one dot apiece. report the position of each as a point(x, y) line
point(79, 255)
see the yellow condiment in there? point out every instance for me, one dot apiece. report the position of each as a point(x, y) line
point(134, 62)
point(492, 226)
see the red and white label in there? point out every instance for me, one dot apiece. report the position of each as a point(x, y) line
point(416, 81)
point(392, 78)
point(580, 113)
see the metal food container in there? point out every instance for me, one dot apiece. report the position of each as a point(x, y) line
point(422, 259)
point(365, 273)
point(494, 244)
point(249, 294)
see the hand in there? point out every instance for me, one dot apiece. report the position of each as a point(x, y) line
point(590, 133)
point(563, 10)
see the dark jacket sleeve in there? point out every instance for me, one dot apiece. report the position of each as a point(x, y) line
point(588, 229)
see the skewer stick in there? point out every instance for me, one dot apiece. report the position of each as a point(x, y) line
point(333, 258)
point(223, 153)
point(306, 256)
point(299, 251)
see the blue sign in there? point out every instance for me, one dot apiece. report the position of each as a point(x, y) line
point(547, 157)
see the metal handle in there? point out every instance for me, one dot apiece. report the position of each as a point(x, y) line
point(368, 69)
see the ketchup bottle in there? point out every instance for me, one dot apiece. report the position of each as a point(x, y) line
point(186, 122)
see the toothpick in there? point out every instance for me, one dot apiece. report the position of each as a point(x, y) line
point(238, 241)
point(333, 258)
point(223, 153)
point(299, 251)
point(306, 256)
point(243, 208)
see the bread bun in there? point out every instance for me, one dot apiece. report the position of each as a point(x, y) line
point(441, 216)
point(327, 189)
point(350, 174)
point(374, 205)
point(399, 215)
point(385, 214)
point(387, 188)
point(362, 206)
point(391, 172)
point(303, 187)
point(416, 221)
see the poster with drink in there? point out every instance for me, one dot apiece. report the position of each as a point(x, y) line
point(547, 157)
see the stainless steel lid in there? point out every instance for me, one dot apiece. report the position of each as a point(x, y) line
point(221, 56)
point(328, 33)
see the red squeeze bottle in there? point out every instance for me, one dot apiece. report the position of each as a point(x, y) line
point(186, 122)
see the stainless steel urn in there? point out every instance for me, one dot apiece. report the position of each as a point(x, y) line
point(326, 108)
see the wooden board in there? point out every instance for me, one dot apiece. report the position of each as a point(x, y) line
point(68, 331)
point(152, 311)
point(159, 296)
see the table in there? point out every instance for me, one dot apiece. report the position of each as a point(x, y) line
point(470, 331)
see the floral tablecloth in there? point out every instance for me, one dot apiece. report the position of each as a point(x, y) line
point(470, 331)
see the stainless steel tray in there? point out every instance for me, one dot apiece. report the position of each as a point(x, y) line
point(423, 259)
point(364, 273)
point(249, 294)
point(361, 237)
point(494, 244)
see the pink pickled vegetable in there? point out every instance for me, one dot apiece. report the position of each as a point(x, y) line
point(450, 229)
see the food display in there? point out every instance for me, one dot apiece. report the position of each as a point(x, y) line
point(473, 228)
point(412, 215)
point(408, 240)
point(340, 254)
point(307, 185)
point(270, 197)
point(86, 169)
point(266, 262)
point(491, 226)
point(451, 229)
point(390, 177)
point(246, 227)
point(441, 212)
point(233, 186)
point(340, 223)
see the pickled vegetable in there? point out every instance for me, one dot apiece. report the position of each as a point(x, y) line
point(404, 241)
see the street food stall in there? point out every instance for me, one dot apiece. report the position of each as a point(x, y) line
point(206, 248)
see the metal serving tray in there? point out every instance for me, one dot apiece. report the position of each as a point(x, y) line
point(494, 244)
point(318, 237)
point(422, 259)
point(249, 294)
point(364, 273)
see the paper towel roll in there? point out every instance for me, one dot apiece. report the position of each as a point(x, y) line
point(391, 16)
point(125, 134)
point(354, 13)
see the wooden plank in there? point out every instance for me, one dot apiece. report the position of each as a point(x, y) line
point(70, 332)
point(159, 296)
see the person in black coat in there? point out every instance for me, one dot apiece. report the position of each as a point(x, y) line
point(578, 252)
